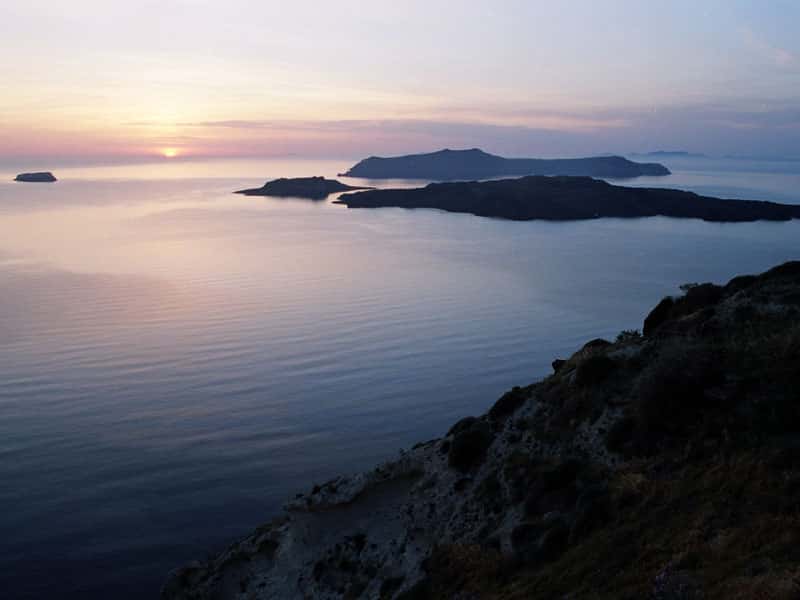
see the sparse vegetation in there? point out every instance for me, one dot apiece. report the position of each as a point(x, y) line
point(706, 504)
point(594, 370)
point(469, 446)
point(698, 497)
point(628, 335)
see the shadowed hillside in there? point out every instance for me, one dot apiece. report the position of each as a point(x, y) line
point(661, 465)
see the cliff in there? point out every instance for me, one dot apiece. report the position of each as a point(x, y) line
point(477, 164)
point(315, 188)
point(664, 465)
point(43, 177)
point(568, 198)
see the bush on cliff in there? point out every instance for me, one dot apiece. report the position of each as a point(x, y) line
point(469, 446)
point(672, 388)
point(508, 403)
point(594, 370)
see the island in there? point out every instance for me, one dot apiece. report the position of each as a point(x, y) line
point(663, 464)
point(476, 164)
point(566, 199)
point(315, 188)
point(42, 177)
point(669, 154)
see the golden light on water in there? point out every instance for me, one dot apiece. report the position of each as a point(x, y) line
point(169, 152)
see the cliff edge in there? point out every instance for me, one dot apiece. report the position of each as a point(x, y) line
point(664, 465)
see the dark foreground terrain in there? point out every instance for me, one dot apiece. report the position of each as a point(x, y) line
point(568, 198)
point(477, 164)
point(315, 188)
point(662, 465)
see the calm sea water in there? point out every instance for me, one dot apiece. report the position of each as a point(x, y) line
point(176, 360)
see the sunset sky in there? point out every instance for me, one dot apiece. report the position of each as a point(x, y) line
point(101, 79)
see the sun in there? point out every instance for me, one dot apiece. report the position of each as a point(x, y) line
point(169, 152)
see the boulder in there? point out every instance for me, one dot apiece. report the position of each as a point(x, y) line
point(508, 403)
point(658, 316)
point(554, 541)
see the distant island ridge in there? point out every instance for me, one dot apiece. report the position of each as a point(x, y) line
point(476, 164)
point(301, 187)
point(568, 198)
point(670, 154)
point(40, 177)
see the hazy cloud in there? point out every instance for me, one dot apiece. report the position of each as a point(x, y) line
point(777, 55)
point(702, 128)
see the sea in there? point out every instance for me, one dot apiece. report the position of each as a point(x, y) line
point(176, 361)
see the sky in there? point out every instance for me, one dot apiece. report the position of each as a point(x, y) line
point(107, 79)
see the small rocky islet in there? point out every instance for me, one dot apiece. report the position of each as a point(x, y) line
point(664, 464)
point(314, 188)
point(39, 177)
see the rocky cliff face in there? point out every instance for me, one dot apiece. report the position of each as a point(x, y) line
point(664, 465)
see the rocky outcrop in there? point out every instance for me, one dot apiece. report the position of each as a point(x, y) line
point(477, 164)
point(657, 466)
point(568, 198)
point(42, 177)
point(315, 188)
